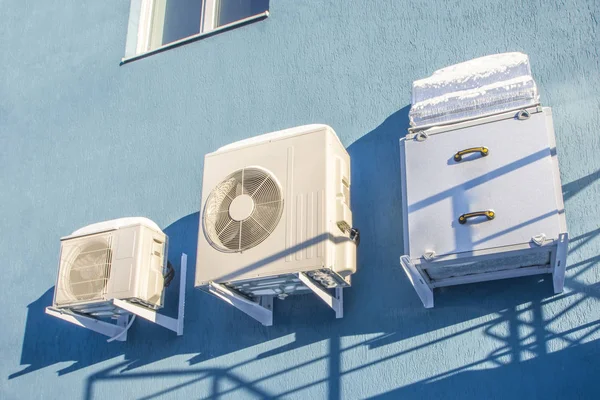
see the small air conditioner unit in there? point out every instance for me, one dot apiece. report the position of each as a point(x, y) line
point(275, 220)
point(113, 269)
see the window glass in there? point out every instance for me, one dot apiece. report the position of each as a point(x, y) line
point(182, 19)
point(157, 23)
point(233, 10)
point(174, 19)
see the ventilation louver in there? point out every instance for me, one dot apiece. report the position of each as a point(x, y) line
point(242, 210)
point(85, 271)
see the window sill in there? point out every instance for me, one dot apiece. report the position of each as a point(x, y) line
point(199, 36)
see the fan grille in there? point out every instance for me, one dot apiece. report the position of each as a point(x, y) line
point(228, 235)
point(85, 270)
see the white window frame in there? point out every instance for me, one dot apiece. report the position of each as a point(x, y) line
point(141, 17)
point(209, 11)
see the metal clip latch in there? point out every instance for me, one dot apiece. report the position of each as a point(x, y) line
point(522, 115)
point(421, 136)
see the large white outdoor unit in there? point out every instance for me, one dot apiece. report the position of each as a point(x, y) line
point(275, 220)
point(481, 189)
point(115, 270)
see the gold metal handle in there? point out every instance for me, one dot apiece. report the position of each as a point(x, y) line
point(489, 214)
point(484, 151)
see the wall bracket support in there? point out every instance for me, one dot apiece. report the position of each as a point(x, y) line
point(560, 262)
point(336, 301)
point(261, 310)
point(118, 331)
point(421, 287)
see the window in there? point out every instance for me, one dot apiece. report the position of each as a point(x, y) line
point(156, 24)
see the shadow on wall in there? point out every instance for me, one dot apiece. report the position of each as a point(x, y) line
point(573, 188)
point(381, 302)
point(49, 341)
point(568, 374)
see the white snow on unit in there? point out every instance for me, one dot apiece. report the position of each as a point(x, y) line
point(114, 224)
point(269, 137)
point(479, 87)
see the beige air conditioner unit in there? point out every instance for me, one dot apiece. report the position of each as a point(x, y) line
point(275, 220)
point(114, 270)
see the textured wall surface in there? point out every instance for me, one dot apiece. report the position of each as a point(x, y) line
point(83, 139)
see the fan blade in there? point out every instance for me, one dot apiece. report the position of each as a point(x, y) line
point(252, 234)
point(230, 236)
point(267, 215)
point(253, 180)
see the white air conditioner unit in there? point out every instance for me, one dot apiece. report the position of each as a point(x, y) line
point(275, 220)
point(481, 189)
point(113, 269)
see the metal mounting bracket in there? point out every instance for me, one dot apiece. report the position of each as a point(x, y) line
point(118, 331)
point(421, 287)
point(560, 262)
point(262, 311)
point(336, 302)
point(173, 324)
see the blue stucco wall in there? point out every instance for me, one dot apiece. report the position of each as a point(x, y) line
point(83, 139)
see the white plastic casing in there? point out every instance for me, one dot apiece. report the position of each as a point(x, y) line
point(312, 168)
point(135, 262)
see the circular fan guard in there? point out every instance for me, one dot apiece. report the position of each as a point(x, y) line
point(87, 268)
point(226, 234)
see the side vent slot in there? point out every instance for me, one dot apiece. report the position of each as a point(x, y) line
point(342, 205)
